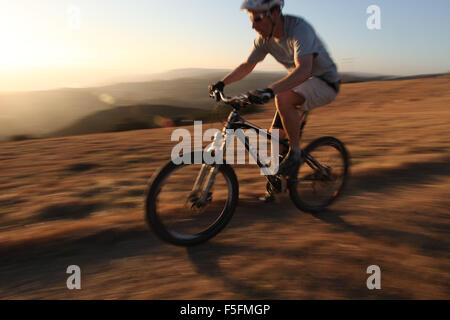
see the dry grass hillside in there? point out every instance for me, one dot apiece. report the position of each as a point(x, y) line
point(79, 201)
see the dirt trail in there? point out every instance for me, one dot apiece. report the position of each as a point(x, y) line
point(79, 201)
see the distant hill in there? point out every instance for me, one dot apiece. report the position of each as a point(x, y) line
point(137, 117)
point(351, 77)
point(189, 91)
point(40, 113)
point(128, 118)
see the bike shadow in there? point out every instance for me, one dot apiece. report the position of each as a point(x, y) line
point(426, 245)
point(42, 261)
point(381, 180)
point(206, 258)
point(250, 207)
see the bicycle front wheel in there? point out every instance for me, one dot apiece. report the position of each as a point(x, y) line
point(178, 214)
point(322, 176)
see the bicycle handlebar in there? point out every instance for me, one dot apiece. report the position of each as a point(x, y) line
point(236, 101)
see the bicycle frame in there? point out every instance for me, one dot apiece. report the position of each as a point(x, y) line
point(235, 122)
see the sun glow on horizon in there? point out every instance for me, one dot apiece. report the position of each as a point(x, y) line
point(43, 45)
point(29, 42)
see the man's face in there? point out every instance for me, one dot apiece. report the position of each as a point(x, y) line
point(261, 23)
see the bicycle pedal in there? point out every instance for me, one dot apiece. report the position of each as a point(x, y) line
point(267, 198)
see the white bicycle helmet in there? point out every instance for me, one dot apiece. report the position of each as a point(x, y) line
point(261, 5)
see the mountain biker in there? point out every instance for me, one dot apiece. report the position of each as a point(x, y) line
point(313, 80)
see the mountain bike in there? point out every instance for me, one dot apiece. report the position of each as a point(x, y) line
point(189, 202)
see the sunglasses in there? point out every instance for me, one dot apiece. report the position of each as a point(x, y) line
point(259, 17)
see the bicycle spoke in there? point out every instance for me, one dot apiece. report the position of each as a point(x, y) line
point(321, 175)
point(179, 208)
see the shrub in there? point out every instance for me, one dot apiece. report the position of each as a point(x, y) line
point(21, 137)
point(131, 124)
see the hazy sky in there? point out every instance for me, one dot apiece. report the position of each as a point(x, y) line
point(52, 43)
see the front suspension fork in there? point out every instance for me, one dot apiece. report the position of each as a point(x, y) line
point(218, 145)
point(199, 193)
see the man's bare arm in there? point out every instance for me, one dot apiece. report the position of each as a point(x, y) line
point(239, 73)
point(300, 74)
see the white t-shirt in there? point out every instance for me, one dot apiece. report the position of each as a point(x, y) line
point(299, 39)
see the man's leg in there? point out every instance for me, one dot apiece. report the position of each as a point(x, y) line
point(285, 100)
point(278, 125)
point(287, 103)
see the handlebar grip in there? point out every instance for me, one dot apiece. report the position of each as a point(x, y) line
point(217, 96)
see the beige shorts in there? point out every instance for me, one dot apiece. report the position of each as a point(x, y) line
point(317, 93)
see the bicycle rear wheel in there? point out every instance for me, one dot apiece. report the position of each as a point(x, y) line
point(322, 176)
point(176, 213)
